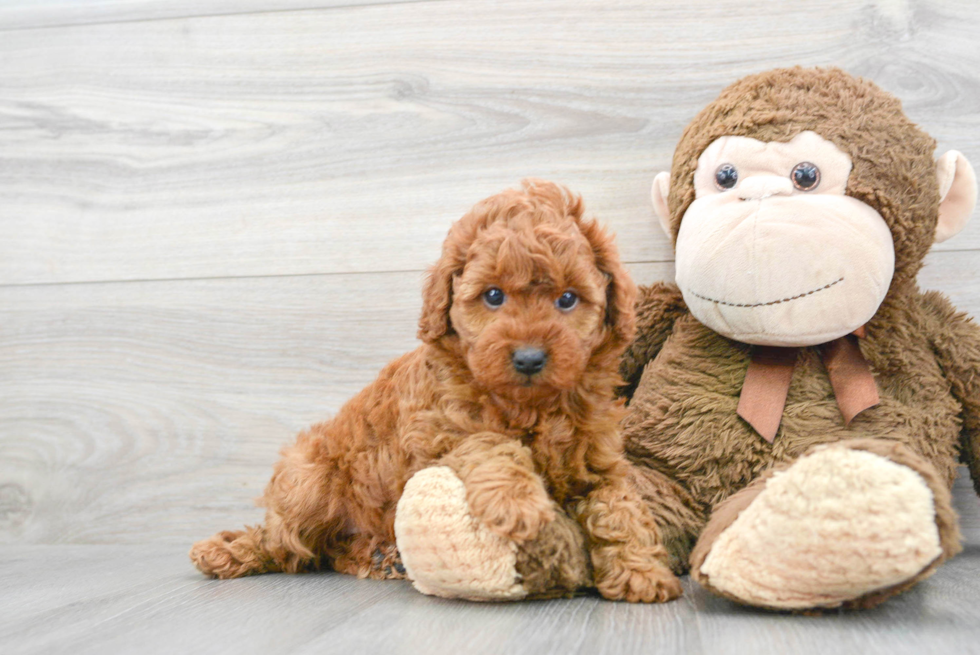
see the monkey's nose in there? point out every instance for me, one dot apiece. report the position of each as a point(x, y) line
point(529, 361)
point(760, 187)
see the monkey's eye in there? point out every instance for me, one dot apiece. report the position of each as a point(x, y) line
point(805, 176)
point(493, 297)
point(726, 176)
point(566, 301)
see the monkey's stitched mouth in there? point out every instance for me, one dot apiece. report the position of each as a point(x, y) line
point(771, 302)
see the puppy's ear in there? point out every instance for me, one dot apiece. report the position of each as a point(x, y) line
point(437, 294)
point(620, 289)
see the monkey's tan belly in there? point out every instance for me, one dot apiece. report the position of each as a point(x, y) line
point(684, 421)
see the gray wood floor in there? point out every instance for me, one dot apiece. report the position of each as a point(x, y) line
point(146, 599)
point(214, 219)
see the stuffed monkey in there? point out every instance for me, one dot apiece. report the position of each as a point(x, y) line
point(797, 406)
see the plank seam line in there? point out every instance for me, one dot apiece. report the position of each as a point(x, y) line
point(11, 285)
point(14, 285)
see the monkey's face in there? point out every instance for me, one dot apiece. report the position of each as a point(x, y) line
point(771, 251)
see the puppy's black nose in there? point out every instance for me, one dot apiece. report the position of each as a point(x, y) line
point(529, 361)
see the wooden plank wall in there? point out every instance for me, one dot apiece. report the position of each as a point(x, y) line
point(214, 215)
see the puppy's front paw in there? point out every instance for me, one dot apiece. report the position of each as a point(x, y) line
point(636, 582)
point(513, 504)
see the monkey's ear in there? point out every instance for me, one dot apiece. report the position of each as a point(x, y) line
point(659, 193)
point(957, 194)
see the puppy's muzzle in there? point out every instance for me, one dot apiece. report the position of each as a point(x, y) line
point(528, 361)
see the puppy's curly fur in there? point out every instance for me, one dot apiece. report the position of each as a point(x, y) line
point(520, 442)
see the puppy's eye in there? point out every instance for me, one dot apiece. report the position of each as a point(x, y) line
point(566, 301)
point(493, 297)
point(805, 176)
point(726, 176)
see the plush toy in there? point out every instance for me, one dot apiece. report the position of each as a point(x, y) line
point(798, 407)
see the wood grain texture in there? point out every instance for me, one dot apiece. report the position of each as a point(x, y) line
point(148, 599)
point(347, 139)
point(127, 410)
point(33, 14)
point(153, 411)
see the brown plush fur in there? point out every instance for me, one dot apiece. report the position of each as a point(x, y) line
point(519, 443)
point(684, 379)
point(556, 564)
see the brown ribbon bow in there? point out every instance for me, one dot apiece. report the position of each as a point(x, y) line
point(766, 385)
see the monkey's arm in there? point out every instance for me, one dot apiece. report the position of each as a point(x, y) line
point(956, 340)
point(657, 308)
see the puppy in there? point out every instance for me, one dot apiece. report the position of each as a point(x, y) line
point(524, 318)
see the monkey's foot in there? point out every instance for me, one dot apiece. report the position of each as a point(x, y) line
point(848, 524)
point(448, 552)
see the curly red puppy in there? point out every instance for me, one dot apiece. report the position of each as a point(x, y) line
point(524, 319)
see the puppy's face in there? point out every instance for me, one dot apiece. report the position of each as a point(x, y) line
point(531, 294)
point(529, 306)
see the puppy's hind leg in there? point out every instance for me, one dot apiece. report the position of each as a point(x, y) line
point(304, 518)
point(232, 554)
point(269, 548)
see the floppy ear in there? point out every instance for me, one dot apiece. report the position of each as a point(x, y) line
point(437, 294)
point(620, 289)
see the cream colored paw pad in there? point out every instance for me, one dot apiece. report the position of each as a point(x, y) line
point(835, 526)
point(446, 551)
